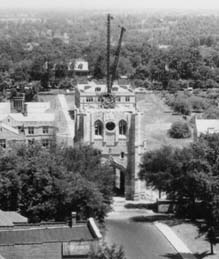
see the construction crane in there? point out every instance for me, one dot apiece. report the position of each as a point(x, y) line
point(108, 99)
point(116, 60)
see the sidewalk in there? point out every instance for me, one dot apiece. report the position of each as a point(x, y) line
point(177, 243)
point(184, 237)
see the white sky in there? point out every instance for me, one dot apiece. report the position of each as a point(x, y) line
point(112, 4)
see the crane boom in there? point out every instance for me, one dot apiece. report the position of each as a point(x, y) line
point(116, 60)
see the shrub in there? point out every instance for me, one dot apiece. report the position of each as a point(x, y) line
point(179, 130)
point(182, 105)
point(106, 252)
point(197, 103)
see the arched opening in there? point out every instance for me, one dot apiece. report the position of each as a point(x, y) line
point(98, 128)
point(122, 127)
point(119, 187)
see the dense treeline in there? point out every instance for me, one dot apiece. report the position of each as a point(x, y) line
point(48, 184)
point(171, 51)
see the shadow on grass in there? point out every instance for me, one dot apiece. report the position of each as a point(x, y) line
point(186, 255)
point(148, 206)
point(152, 218)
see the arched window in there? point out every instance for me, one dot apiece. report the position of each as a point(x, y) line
point(122, 127)
point(98, 128)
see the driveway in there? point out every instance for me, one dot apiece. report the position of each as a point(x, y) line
point(139, 240)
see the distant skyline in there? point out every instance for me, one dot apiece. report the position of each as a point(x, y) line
point(112, 4)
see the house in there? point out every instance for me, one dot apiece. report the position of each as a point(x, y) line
point(206, 126)
point(26, 122)
point(81, 67)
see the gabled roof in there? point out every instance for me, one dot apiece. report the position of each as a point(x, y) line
point(9, 128)
point(8, 218)
point(33, 117)
point(15, 217)
point(37, 107)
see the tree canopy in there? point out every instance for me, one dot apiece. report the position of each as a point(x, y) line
point(188, 174)
point(48, 184)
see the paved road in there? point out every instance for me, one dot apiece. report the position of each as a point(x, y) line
point(139, 240)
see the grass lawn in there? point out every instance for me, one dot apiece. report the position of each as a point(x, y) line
point(156, 121)
point(197, 243)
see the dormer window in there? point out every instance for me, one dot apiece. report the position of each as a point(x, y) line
point(97, 89)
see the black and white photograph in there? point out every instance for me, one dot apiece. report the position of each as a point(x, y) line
point(109, 129)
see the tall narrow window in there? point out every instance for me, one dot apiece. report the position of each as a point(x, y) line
point(30, 130)
point(45, 130)
point(122, 127)
point(98, 128)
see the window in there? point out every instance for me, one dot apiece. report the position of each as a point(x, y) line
point(122, 154)
point(122, 127)
point(45, 142)
point(30, 130)
point(45, 130)
point(89, 99)
point(110, 125)
point(127, 99)
point(3, 143)
point(98, 131)
point(97, 89)
point(21, 129)
point(118, 99)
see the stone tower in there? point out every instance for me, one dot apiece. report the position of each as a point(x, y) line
point(112, 124)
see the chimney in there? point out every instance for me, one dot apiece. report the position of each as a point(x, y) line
point(73, 219)
point(25, 109)
point(17, 103)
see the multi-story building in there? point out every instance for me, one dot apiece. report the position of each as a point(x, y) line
point(112, 124)
point(26, 122)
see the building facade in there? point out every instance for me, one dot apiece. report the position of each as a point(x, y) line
point(112, 124)
point(22, 122)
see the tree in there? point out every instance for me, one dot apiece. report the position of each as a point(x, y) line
point(48, 184)
point(179, 130)
point(211, 236)
point(187, 175)
point(106, 252)
point(211, 113)
point(182, 105)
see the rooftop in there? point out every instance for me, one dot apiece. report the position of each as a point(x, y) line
point(95, 89)
point(81, 65)
point(36, 111)
point(206, 126)
point(8, 218)
point(45, 235)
